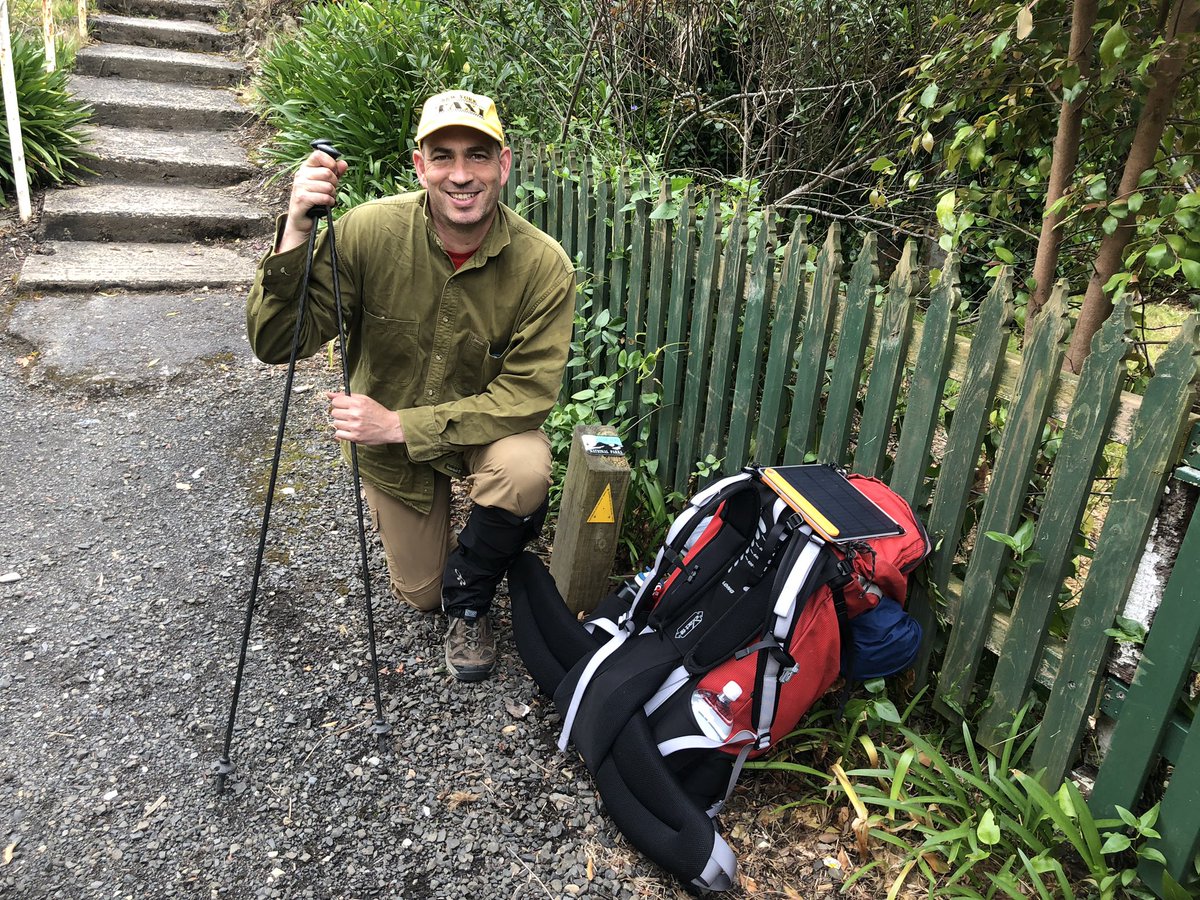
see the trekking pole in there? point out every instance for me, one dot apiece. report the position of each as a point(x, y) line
point(380, 728)
point(224, 766)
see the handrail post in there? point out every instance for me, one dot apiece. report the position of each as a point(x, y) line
point(12, 116)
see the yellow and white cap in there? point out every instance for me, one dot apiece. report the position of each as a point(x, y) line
point(460, 108)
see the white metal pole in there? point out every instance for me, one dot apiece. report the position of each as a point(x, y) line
point(13, 116)
point(48, 33)
point(81, 11)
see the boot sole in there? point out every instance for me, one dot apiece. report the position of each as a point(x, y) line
point(469, 674)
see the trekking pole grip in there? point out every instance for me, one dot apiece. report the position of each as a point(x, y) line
point(325, 146)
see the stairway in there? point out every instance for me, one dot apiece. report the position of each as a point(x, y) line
point(166, 209)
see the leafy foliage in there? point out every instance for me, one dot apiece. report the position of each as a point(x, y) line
point(969, 824)
point(52, 121)
point(358, 74)
point(597, 371)
point(352, 74)
point(978, 119)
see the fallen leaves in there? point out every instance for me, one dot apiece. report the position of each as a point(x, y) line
point(7, 856)
point(516, 710)
point(458, 798)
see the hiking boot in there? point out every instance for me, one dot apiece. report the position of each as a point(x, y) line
point(470, 648)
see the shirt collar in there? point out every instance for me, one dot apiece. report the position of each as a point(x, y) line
point(497, 238)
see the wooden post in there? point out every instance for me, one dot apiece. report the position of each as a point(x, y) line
point(81, 15)
point(12, 116)
point(589, 518)
point(48, 33)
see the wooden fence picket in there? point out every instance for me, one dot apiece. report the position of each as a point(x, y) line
point(662, 235)
point(789, 308)
point(814, 349)
point(926, 386)
point(698, 361)
point(1058, 522)
point(674, 346)
point(618, 272)
point(956, 475)
point(1161, 427)
point(853, 331)
point(887, 367)
point(749, 357)
point(1006, 493)
point(724, 338)
point(635, 303)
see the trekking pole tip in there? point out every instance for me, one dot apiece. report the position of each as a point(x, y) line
point(381, 730)
point(223, 769)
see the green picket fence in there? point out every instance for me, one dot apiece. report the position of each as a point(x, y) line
point(777, 354)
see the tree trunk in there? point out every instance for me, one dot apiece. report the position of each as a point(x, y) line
point(1065, 155)
point(1181, 26)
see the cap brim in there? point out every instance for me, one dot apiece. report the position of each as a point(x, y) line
point(466, 121)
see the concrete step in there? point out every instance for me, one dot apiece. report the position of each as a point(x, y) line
point(133, 340)
point(202, 158)
point(157, 64)
point(148, 213)
point(155, 104)
point(195, 10)
point(174, 34)
point(92, 266)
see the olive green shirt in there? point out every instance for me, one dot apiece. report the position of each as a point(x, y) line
point(465, 357)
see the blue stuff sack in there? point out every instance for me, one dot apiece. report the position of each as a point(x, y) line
point(886, 640)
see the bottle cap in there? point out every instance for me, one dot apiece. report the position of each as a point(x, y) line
point(732, 690)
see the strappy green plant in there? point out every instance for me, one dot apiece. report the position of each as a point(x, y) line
point(974, 824)
point(52, 121)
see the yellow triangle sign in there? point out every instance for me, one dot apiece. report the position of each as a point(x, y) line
point(602, 512)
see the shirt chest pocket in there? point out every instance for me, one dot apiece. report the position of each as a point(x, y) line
point(391, 355)
point(476, 366)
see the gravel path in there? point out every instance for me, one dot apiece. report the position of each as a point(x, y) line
point(131, 522)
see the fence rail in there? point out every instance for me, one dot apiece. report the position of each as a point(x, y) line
point(771, 351)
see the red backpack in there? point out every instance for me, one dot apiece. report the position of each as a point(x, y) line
point(746, 618)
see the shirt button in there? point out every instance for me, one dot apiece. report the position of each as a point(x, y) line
point(437, 356)
point(445, 318)
point(430, 392)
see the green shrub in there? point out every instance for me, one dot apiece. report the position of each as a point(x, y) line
point(51, 121)
point(357, 73)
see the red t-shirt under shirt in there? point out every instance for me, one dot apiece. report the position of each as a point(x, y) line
point(459, 258)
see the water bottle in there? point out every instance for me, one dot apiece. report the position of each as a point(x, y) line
point(696, 532)
point(629, 590)
point(713, 712)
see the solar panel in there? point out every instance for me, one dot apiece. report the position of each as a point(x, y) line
point(830, 503)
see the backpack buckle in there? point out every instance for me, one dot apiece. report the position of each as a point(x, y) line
point(786, 674)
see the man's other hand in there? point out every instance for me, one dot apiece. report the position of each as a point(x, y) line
point(315, 184)
point(358, 418)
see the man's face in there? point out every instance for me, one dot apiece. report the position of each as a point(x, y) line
point(462, 171)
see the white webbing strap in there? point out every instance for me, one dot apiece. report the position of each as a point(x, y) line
point(608, 649)
point(786, 609)
point(673, 682)
point(703, 742)
point(603, 624)
point(585, 677)
point(721, 870)
point(735, 774)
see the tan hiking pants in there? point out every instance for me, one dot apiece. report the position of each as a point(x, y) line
point(513, 473)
